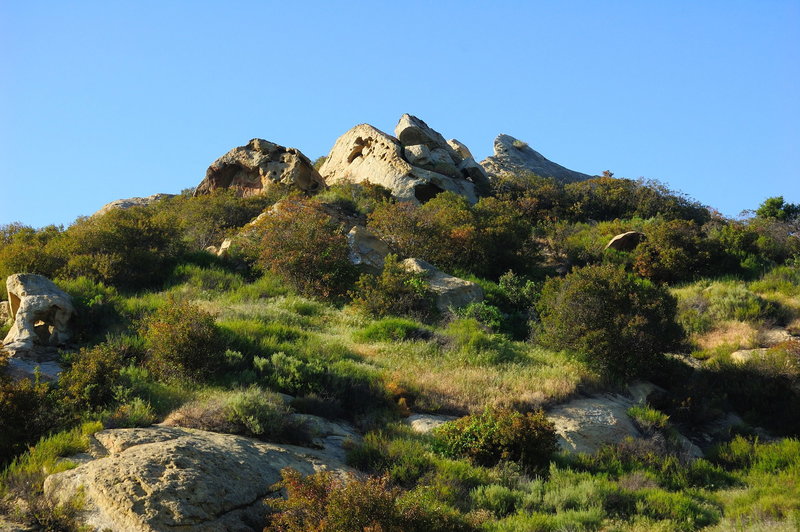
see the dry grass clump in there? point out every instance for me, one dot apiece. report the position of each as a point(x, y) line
point(741, 335)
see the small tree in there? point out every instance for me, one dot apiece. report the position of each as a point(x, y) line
point(619, 322)
point(306, 247)
point(395, 292)
point(183, 342)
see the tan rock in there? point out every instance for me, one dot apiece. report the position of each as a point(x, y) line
point(5, 312)
point(366, 249)
point(460, 148)
point(40, 311)
point(132, 202)
point(425, 423)
point(450, 291)
point(367, 154)
point(746, 355)
point(626, 241)
point(585, 425)
point(162, 478)
point(514, 156)
point(251, 169)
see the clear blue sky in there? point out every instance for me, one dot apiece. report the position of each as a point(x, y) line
point(107, 100)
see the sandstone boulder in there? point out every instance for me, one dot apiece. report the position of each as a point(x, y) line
point(132, 202)
point(251, 169)
point(425, 423)
point(40, 312)
point(584, 425)
point(450, 291)
point(5, 312)
point(514, 156)
point(461, 149)
point(415, 168)
point(626, 241)
point(366, 249)
point(163, 478)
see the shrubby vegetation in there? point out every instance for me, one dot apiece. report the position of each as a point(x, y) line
point(167, 331)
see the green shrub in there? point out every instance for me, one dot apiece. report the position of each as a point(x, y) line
point(210, 279)
point(684, 511)
point(620, 323)
point(27, 250)
point(394, 292)
point(648, 419)
point(485, 314)
point(133, 413)
point(497, 435)
point(305, 246)
point(95, 372)
point(782, 279)
point(392, 330)
point(183, 342)
point(673, 251)
point(499, 500)
point(472, 343)
point(355, 198)
point(28, 411)
point(323, 503)
point(95, 305)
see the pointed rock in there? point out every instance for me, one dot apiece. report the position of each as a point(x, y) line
point(514, 156)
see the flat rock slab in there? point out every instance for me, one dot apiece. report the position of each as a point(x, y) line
point(585, 425)
point(424, 423)
point(165, 478)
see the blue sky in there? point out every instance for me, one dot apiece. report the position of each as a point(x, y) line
point(107, 100)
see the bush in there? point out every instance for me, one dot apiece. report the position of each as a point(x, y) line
point(305, 246)
point(183, 342)
point(93, 375)
point(323, 503)
point(619, 322)
point(673, 251)
point(497, 435)
point(392, 330)
point(395, 292)
point(95, 307)
point(27, 413)
point(251, 411)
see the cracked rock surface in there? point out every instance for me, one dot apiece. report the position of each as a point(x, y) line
point(167, 478)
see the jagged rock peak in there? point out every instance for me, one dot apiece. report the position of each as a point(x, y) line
point(415, 165)
point(251, 169)
point(513, 155)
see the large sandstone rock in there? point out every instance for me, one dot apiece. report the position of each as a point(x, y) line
point(625, 241)
point(417, 167)
point(132, 202)
point(425, 423)
point(366, 249)
point(450, 291)
point(585, 425)
point(251, 169)
point(163, 478)
point(514, 156)
point(41, 312)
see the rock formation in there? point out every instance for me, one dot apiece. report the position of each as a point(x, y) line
point(132, 202)
point(450, 291)
point(626, 241)
point(514, 156)
point(163, 478)
point(251, 169)
point(415, 166)
point(585, 425)
point(40, 311)
point(366, 249)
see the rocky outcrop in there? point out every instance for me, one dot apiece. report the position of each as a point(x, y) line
point(425, 423)
point(5, 312)
point(40, 310)
point(626, 241)
point(513, 156)
point(251, 169)
point(366, 249)
point(584, 425)
point(164, 478)
point(450, 292)
point(415, 166)
point(132, 202)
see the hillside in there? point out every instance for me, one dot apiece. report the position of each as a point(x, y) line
point(396, 337)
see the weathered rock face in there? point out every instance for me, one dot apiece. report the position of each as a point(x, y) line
point(163, 478)
point(450, 291)
point(425, 423)
point(585, 425)
point(514, 156)
point(415, 168)
point(132, 202)
point(366, 249)
point(41, 312)
point(5, 312)
point(626, 241)
point(251, 169)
